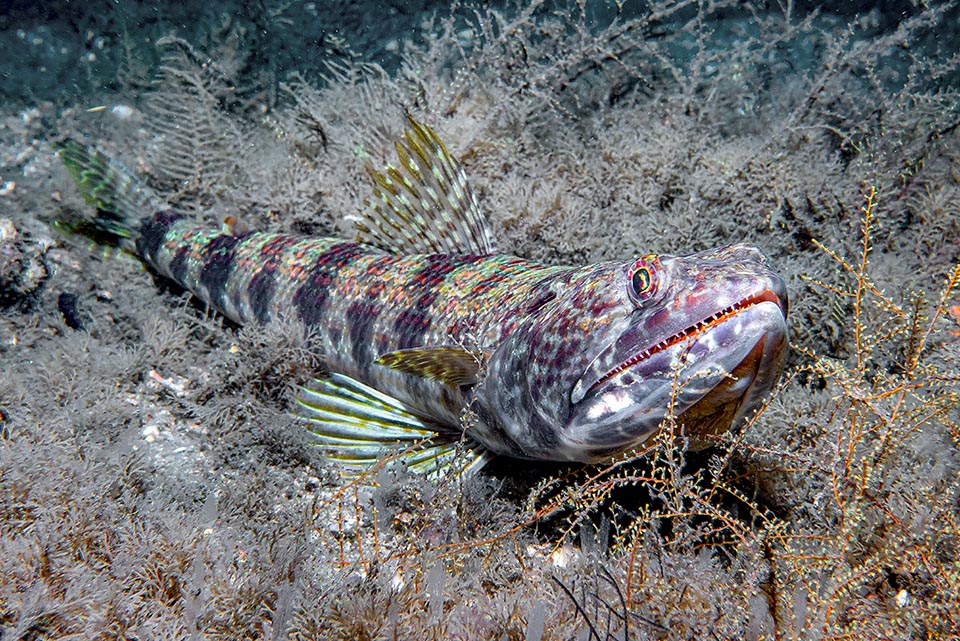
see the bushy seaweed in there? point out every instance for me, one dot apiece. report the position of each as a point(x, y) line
point(152, 485)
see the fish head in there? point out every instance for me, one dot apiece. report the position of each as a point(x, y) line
point(593, 374)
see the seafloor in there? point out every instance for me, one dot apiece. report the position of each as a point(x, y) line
point(152, 485)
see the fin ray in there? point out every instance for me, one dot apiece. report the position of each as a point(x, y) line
point(358, 426)
point(424, 206)
point(119, 197)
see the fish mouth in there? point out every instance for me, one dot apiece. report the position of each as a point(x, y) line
point(688, 333)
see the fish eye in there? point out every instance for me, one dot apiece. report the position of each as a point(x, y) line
point(642, 280)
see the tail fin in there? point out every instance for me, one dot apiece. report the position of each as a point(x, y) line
point(120, 199)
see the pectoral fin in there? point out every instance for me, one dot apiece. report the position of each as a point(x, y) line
point(359, 426)
point(452, 364)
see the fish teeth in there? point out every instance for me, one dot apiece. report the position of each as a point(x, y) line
point(693, 330)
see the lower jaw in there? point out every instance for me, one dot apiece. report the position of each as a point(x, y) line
point(715, 413)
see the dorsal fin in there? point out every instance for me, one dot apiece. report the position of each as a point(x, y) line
point(424, 206)
point(449, 364)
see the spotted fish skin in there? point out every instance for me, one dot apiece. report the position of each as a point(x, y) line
point(359, 301)
point(421, 320)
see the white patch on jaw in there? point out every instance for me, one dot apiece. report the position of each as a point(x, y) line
point(609, 403)
point(710, 341)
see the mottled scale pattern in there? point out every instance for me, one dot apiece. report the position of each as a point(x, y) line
point(361, 301)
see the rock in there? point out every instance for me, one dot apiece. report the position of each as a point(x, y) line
point(23, 268)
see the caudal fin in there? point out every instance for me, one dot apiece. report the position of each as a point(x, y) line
point(120, 200)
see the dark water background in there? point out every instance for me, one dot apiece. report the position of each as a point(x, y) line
point(55, 50)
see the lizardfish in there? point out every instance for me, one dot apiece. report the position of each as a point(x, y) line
point(435, 343)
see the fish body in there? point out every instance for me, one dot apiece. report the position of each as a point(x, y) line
point(421, 321)
point(359, 301)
